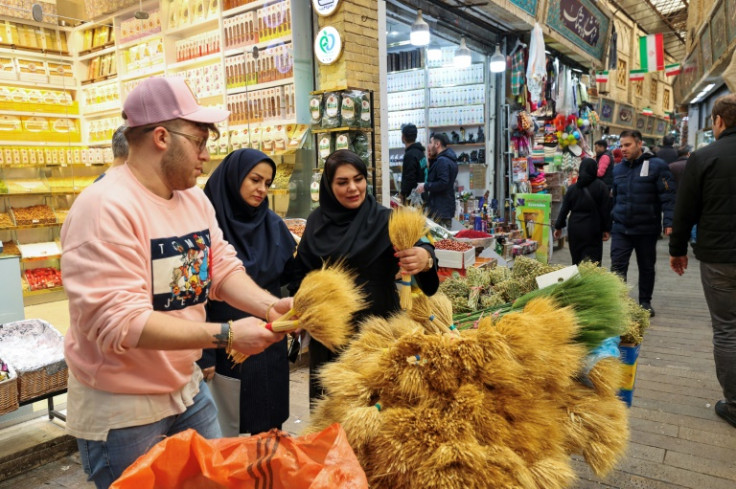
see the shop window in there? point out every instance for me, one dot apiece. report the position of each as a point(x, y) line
point(653, 88)
point(666, 99)
point(622, 74)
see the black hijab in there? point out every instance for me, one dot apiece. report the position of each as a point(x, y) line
point(259, 236)
point(587, 173)
point(334, 232)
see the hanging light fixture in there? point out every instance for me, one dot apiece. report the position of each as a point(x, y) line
point(419, 31)
point(498, 61)
point(462, 55)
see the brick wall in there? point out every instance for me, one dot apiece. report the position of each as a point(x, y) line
point(357, 22)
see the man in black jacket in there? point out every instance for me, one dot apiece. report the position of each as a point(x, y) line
point(667, 152)
point(643, 189)
point(440, 185)
point(414, 166)
point(706, 197)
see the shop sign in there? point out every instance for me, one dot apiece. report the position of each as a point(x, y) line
point(529, 6)
point(325, 8)
point(328, 45)
point(580, 22)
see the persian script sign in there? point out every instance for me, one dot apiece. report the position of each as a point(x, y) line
point(577, 18)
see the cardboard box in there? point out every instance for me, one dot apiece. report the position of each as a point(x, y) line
point(455, 259)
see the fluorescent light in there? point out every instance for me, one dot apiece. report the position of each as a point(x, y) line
point(463, 56)
point(419, 31)
point(498, 61)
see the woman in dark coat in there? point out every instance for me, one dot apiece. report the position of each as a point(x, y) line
point(350, 225)
point(251, 397)
point(589, 204)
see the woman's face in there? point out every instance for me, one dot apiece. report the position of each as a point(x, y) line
point(255, 184)
point(349, 186)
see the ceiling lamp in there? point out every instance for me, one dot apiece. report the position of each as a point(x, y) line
point(498, 61)
point(419, 31)
point(462, 55)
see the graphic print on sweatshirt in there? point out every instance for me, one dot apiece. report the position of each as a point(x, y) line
point(180, 267)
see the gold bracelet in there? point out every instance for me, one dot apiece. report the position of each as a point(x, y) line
point(268, 310)
point(229, 337)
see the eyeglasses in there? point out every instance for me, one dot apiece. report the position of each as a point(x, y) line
point(199, 140)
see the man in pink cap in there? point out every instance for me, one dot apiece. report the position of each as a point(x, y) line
point(142, 253)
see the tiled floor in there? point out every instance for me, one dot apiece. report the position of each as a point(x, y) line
point(677, 441)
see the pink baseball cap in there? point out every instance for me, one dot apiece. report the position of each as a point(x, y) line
point(161, 99)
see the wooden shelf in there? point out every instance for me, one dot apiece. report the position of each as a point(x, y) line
point(342, 129)
point(32, 293)
point(98, 51)
point(196, 27)
point(338, 89)
point(95, 81)
point(40, 54)
point(260, 86)
point(32, 226)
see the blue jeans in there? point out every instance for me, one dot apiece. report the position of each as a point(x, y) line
point(105, 461)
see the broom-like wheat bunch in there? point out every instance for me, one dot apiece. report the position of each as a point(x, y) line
point(324, 306)
point(406, 226)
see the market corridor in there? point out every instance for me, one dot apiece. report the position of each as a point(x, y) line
point(677, 441)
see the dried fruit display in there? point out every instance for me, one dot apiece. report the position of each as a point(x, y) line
point(451, 244)
point(10, 248)
point(5, 220)
point(35, 214)
point(297, 229)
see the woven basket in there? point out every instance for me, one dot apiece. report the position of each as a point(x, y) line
point(9, 393)
point(37, 383)
point(34, 377)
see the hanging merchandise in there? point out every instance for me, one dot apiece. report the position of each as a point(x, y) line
point(536, 67)
point(517, 72)
point(565, 102)
point(331, 115)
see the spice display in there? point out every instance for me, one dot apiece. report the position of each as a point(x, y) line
point(471, 234)
point(43, 278)
point(451, 244)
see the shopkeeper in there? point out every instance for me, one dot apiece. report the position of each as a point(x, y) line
point(350, 225)
point(142, 254)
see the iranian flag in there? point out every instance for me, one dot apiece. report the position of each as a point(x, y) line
point(672, 70)
point(601, 76)
point(647, 111)
point(637, 75)
point(651, 52)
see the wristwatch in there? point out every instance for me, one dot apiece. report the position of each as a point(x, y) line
point(430, 264)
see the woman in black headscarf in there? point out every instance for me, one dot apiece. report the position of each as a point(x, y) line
point(589, 206)
point(350, 225)
point(254, 396)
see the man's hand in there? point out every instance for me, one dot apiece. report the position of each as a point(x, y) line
point(250, 337)
point(667, 231)
point(281, 307)
point(420, 188)
point(414, 260)
point(208, 373)
point(678, 264)
point(557, 234)
point(606, 236)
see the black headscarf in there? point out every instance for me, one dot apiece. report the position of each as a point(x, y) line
point(259, 236)
point(588, 172)
point(334, 232)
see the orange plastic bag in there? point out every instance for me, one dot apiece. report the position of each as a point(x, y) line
point(272, 460)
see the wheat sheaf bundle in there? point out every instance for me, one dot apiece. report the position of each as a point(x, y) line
point(324, 305)
point(406, 226)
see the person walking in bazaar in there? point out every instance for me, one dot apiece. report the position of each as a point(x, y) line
point(706, 197)
point(440, 185)
point(131, 241)
point(604, 158)
point(414, 165)
point(643, 202)
point(588, 203)
point(351, 226)
point(251, 397)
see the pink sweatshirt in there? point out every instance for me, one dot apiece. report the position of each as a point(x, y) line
point(127, 253)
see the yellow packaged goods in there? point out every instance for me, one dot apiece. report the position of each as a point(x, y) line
point(32, 70)
point(7, 67)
